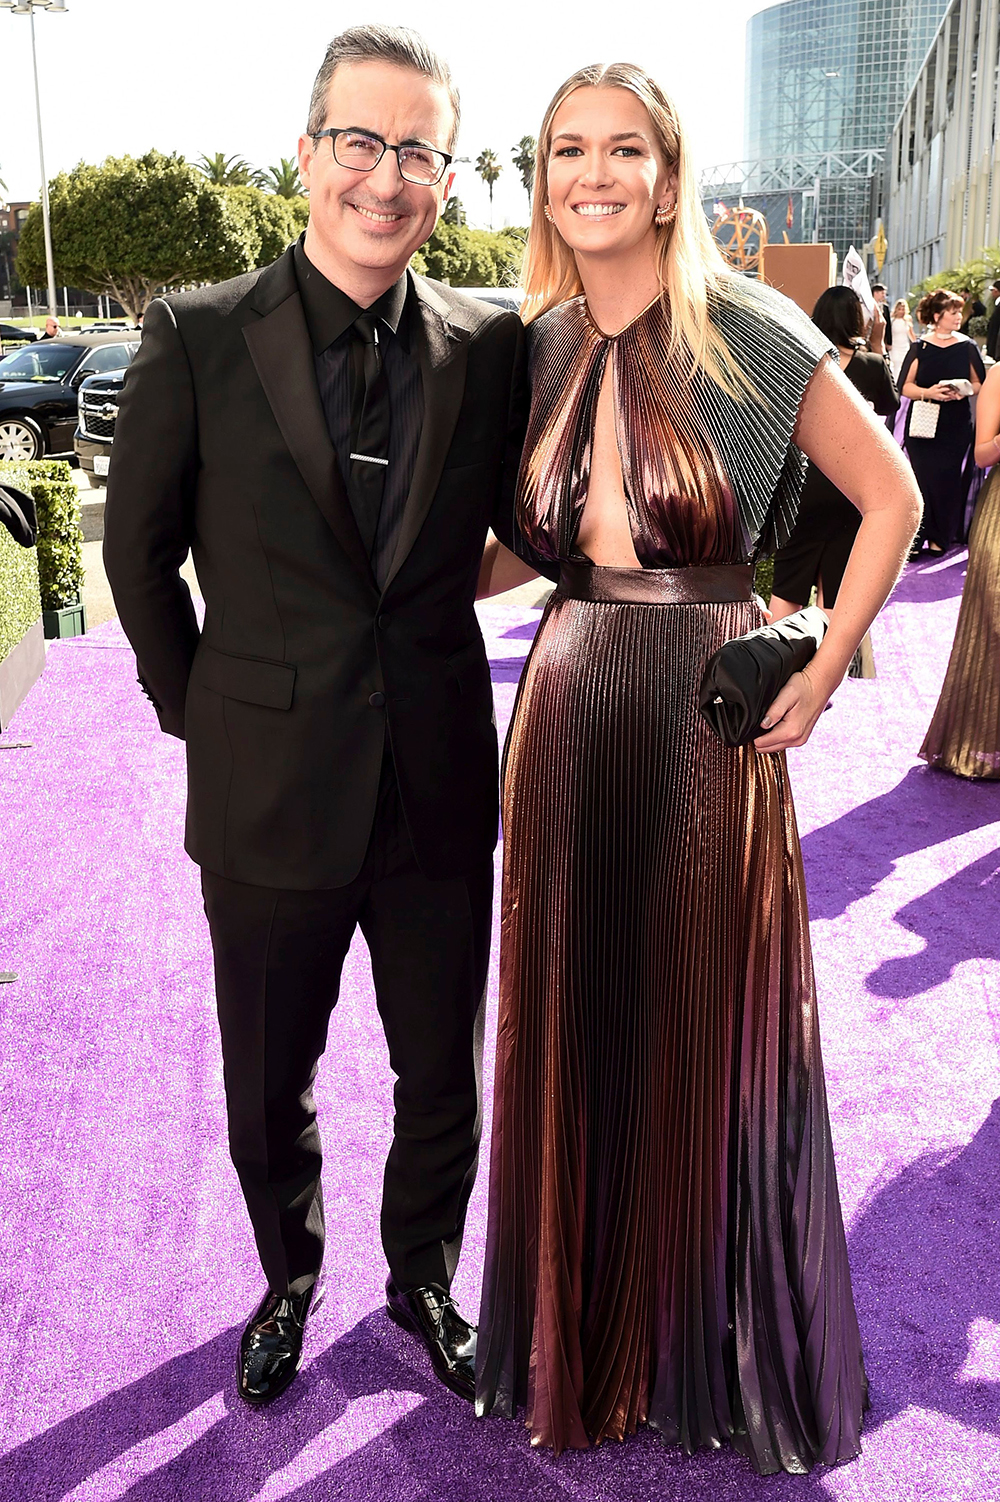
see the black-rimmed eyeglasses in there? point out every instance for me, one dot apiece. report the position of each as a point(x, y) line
point(362, 151)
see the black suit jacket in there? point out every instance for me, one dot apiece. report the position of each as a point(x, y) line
point(303, 666)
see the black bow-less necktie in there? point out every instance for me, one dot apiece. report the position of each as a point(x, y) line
point(369, 431)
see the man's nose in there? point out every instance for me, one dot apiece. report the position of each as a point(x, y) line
point(385, 178)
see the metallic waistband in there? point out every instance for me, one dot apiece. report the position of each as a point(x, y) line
point(719, 585)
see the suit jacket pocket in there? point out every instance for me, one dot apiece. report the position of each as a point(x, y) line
point(468, 668)
point(254, 680)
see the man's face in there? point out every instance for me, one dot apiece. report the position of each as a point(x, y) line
point(51, 326)
point(879, 296)
point(374, 220)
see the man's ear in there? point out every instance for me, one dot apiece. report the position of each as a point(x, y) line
point(307, 150)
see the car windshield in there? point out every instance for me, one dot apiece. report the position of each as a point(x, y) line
point(39, 362)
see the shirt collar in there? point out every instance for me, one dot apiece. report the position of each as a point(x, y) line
point(330, 312)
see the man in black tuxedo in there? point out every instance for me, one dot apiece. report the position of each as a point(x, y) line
point(330, 438)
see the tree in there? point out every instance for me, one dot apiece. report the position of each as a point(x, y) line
point(134, 225)
point(269, 222)
point(453, 211)
point(466, 257)
point(283, 180)
point(523, 157)
point(229, 171)
point(489, 167)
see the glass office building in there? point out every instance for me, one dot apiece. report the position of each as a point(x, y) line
point(829, 77)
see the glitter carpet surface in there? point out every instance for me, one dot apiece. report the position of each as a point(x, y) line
point(126, 1259)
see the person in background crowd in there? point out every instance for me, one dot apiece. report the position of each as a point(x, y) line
point(817, 551)
point(901, 328)
point(973, 307)
point(880, 297)
point(665, 1242)
point(53, 328)
point(993, 327)
point(942, 463)
point(964, 734)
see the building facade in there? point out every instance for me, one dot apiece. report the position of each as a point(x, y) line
point(941, 179)
point(825, 79)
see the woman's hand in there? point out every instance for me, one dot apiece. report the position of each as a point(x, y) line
point(792, 716)
point(941, 393)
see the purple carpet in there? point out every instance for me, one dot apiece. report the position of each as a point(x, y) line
point(127, 1262)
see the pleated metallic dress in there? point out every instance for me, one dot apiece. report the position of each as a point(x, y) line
point(665, 1240)
point(964, 734)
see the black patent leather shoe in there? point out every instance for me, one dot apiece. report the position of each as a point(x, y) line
point(271, 1346)
point(431, 1314)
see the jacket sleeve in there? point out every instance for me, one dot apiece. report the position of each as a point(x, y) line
point(149, 515)
point(504, 520)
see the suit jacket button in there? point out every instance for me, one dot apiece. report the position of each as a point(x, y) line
point(377, 699)
point(382, 621)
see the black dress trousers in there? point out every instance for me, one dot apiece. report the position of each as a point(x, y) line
point(278, 961)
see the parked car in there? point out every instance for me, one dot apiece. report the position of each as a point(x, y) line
point(39, 389)
point(12, 333)
point(95, 430)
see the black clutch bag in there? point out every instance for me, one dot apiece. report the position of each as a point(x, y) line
point(746, 675)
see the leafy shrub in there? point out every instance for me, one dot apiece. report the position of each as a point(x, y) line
point(465, 257)
point(22, 604)
point(60, 541)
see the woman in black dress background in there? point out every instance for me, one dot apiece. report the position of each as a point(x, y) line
point(820, 544)
point(942, 464)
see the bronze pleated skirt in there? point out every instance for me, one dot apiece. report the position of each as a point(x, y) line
point(964, 734)
point(665, 1237)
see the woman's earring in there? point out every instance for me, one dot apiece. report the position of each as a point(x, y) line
point(664, 215)
point(548, 214)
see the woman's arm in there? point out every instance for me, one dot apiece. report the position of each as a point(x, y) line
point(987, 450)
point(501, 570)
point(936, 393)
point(839, 434)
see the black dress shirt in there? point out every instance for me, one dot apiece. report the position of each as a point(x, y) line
point(330, 314)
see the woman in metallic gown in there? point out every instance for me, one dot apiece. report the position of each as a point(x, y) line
point(665, 1240)
point(964, 734)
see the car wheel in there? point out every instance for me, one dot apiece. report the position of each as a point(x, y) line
point(20, 439)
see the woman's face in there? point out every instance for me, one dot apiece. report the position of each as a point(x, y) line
point(948, 321)
point(606, 175)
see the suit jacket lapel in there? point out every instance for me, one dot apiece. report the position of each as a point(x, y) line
point(443, 349)
point(281, 350)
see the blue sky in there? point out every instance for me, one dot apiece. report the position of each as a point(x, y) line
point(217, 75)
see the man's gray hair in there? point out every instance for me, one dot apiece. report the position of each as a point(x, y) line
point(379, 44)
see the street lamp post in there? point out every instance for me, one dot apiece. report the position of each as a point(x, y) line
point(28, 8)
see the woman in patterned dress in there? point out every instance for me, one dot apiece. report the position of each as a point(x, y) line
point(665, 1240)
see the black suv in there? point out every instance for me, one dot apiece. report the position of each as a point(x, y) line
point(95, 432)
point(39, 388)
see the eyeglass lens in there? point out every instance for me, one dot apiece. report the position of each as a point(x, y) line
point(417, 164)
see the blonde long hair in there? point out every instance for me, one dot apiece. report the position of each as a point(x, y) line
point(689, 264)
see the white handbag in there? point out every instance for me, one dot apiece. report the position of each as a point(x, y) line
point(924, 419)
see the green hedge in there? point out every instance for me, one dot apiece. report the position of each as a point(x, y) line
point(60, 541)
point(22, 603)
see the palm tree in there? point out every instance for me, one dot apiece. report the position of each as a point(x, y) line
point(283, 179)
point(489, 167)
point(229, 171)
point(523, 157)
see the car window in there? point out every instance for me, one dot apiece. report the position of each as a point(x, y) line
point(39, 362)
point(107, 357)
